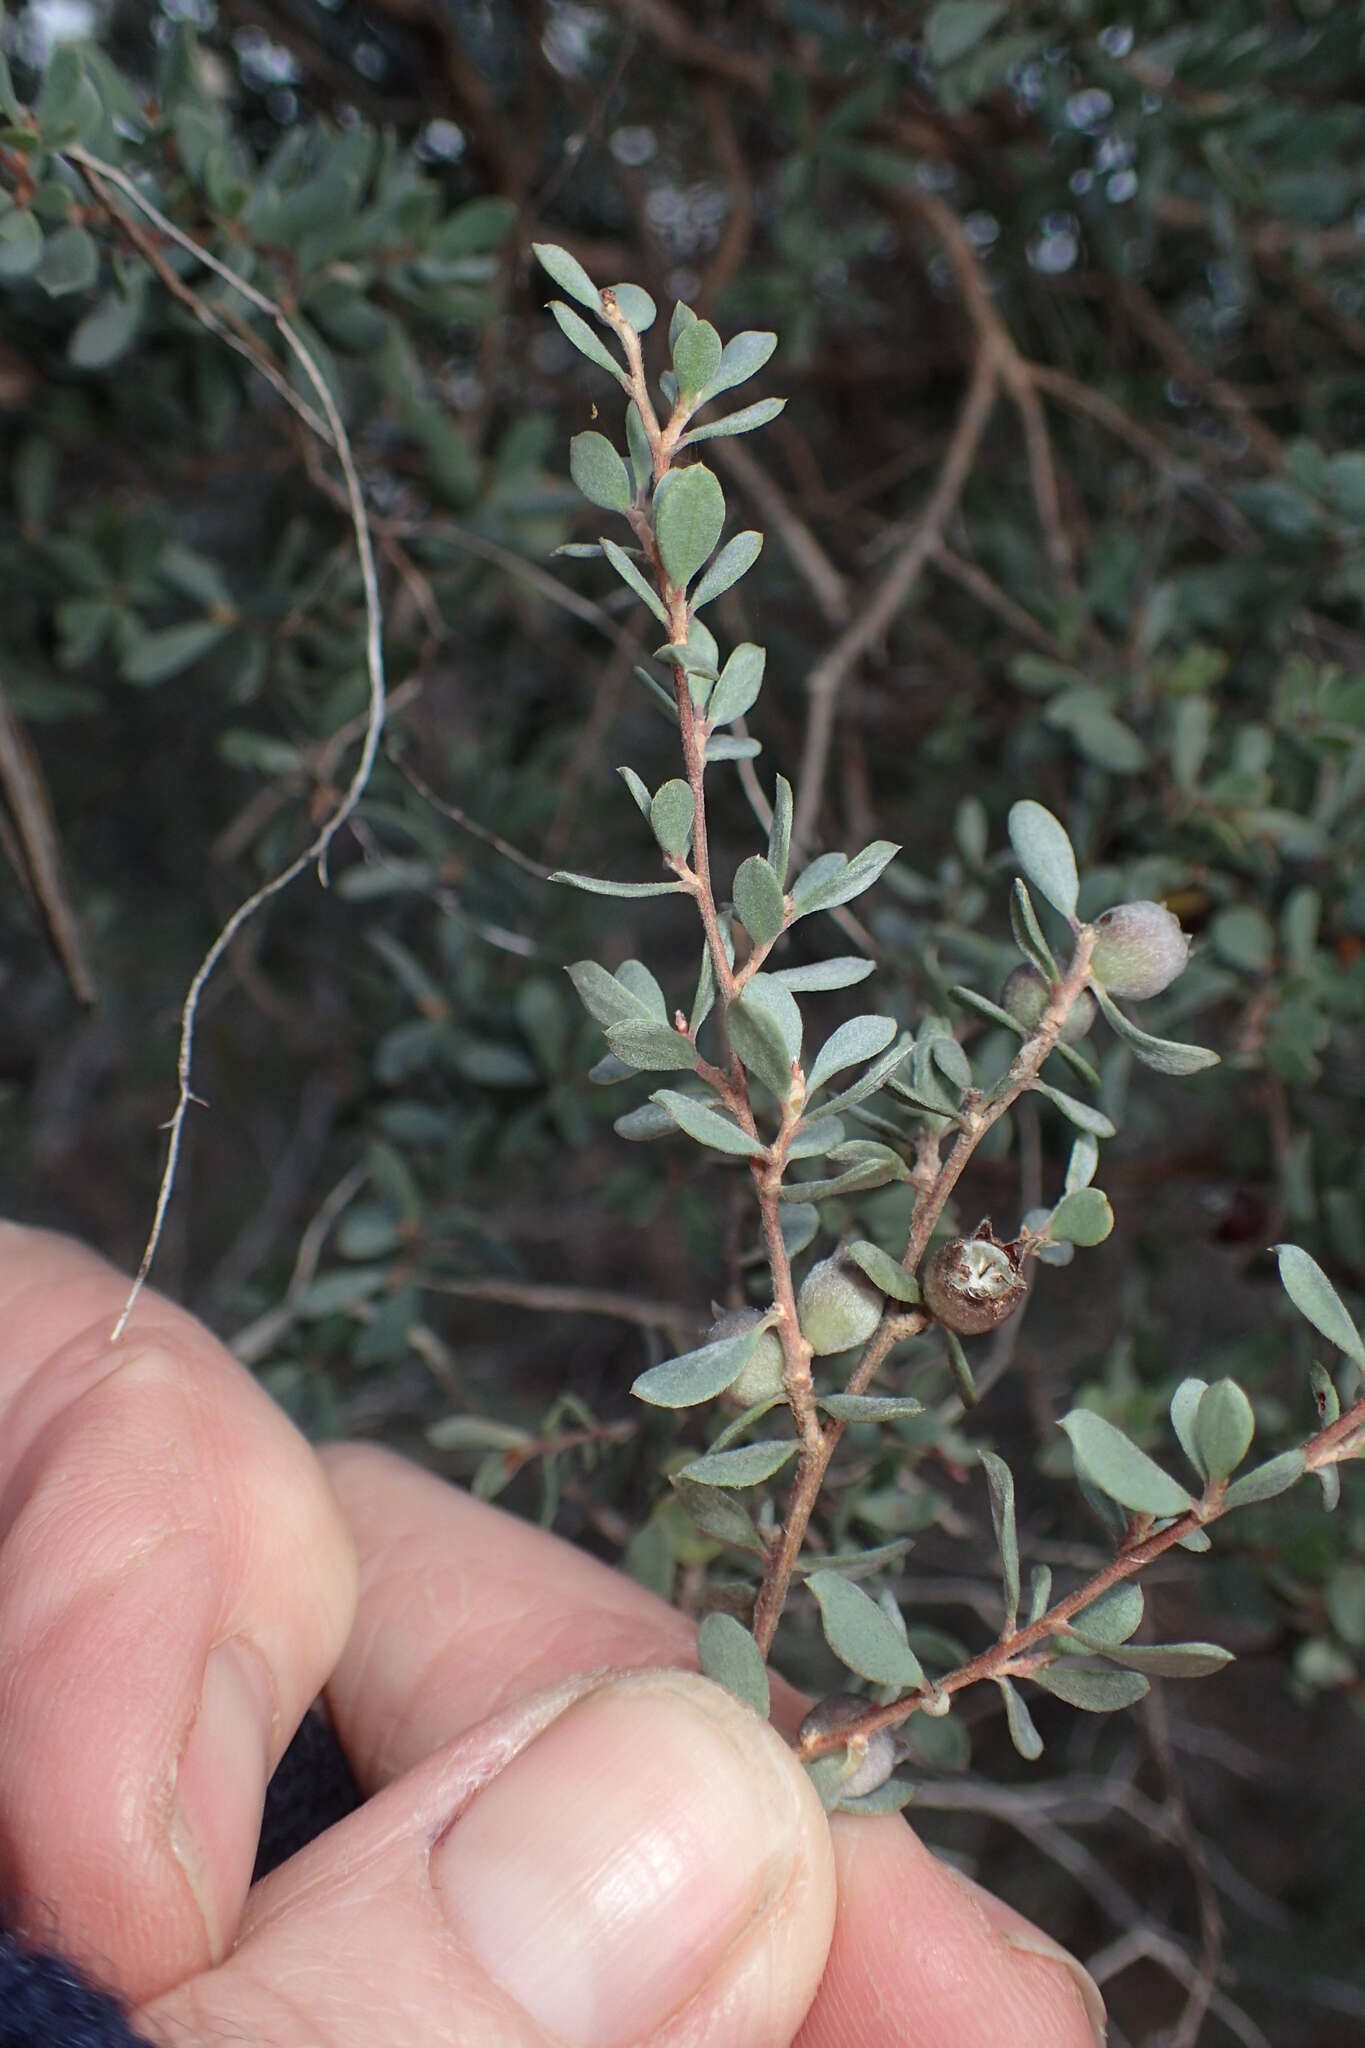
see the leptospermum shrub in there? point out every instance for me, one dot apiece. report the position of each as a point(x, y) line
point(742, 1068)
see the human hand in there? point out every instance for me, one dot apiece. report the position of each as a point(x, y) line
point(622, 1859)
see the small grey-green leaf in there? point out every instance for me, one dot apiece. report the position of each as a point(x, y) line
point(758, 899)
point(741, 358)
point(1314, 1296)
point(640, 1126)
point(825, 974)
point(1163, 1660)
point(568, 273)
point(1083, 1217)
point(630, 575)
point(696, 1376)
point(1023, 1734)
point(1118, 1468)
point(154, 657)
point(1277, 1476)
point(607, 1000)
point(956, 26)
point(687, 522)
point(635, 306)
point(716, 1514)
point(748, 1466)
point(724, 746)
point(21, 243)
point(729, 1655)
point(765, 1030)
point(598, 885)
point(1039, 1592)
point(984, 1007)
point(742, 422)
point(636, 977)
point(1095, 1692)
point(637, 441)
point(1028, 933)
point(1224, 1425)
point(1184, 1407)
point(1080, 1167)
point(963, 1378)
point(741, 679)
point(671, 814)
point(696, 356)
point(651, 1048)
point(1000, 1482)
point(682, 316)
point(707, 1126)
point(870, 1407)
point(874, 1077)
point(861, 1038)
point(839, 884)
point(1079, 1113)
point(735, 559)
point(575, 329)
point(1163, 1055)
point(860, 1635)
point(638, 789)
point(892, 1797)
point(106, 331)
point(780, 837)
point(884, 1271)
point(70, 263)
point(814, 1138)
point(1114, 1617)
point(599, 473)
point(1044, 851)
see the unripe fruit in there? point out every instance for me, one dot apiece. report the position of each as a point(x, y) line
point(871, 1759)
point(972, 1283)
point(838, 1307)
point(1139, 951)
point(1026, 995)
point(761, 1379)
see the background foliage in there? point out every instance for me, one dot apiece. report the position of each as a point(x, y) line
point(1137, 597)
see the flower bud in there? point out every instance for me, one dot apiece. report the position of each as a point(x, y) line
point(1026, 995)
point(871, 1759)
point(972, 1283)
point(761, 1379)
point(1140, 949)
point(838, 1307)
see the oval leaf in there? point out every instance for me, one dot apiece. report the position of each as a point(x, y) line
point(688, 518)
point(1118, 1468)
point(1044, 852)
point(748, 1466)
point(735, 559)
point(861, 1635)
point(862, 1038)
point(1083, 1217)
point(568, 273)
point(884, 1271)
point(741, 679)
point(729, 1655)
point(599, 473)
point(870, 1407)
point(707, 1126)
point(1095, 1692)
point(758, 899)
point(697, 1375)
point(1277, 1476)
point(1223, 1428)
point(1314, 1296)
point(1163, 1055)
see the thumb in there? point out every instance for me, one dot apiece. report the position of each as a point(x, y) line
point(624, 1863)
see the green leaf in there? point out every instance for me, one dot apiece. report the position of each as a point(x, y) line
point(635, 306)
point(812, 1140)
point(1083, 1217)
point(1080, 1167)
point(1093, 729)
point(1114, 1617)
point(1224, 1425)
point(843, 972)
point(70, 263)
point(956, 26)
point(765, 1030)
point(606, 998)
point(1164, 1660)
point(688, 518)
point(726, 747)
point(1028, 933)
point(1023, 1734)
point(748, 1466)
point(780, 837)
point(1000, 1481)
point(476, 1433)
point(960, 1369)
point(1039, 1592)
point(729, 1655)
point(735, 559)
point(21, 243)
point(892, 1797)
point(707, 1126)
point(568, 273)
point(1277, 1476)
point(717, 1515)
point(1044, 852)
point(884, 1271)
point(1079, 1113)
point(1119, 1469)
point(872, 1078)
point(641, 456)
point(758, 899)
point(599, 473)
point(861, 1038)
point(742, 422)
point(670, 816)
point(870, 1407)
point(154, 657)
point(984, 1007)
point(630, 575)
point(698, 1375)
point(640, 1126)
point(597, 885)
point(824, 886)
point(576, 330)
point(741, 358)
point(696, 356)
point(1164, 1055)
point(1096, 1692)
point(1314, 1296)
point(860, 1634)
point(651, 1047)
point(1184, 1407)
point(870, 1166)
point(741, 679)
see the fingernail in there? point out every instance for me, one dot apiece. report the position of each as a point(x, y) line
point(602, 1877)
point(1020, 1934)
point(220, 1786)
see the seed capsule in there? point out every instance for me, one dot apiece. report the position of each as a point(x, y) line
point(973, 1283)
point(838, 1307)
point(1026, 995)
point(1140, 949)
point(871, 1759)
point(761, 1379)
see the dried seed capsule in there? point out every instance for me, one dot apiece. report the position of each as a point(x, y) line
point(838, 1307)
point(871, 1759)
point(761, 1379)
point(1140, 949)
point(1026, 995)
point(972, 1283)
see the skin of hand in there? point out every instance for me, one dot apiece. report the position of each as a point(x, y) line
point(569, 1840)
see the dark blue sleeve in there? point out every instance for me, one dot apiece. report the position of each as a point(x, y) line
point(45, 2003)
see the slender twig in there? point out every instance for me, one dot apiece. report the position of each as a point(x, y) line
point(465, 822)
point(102, 176)
point(37, 851)
point(546, 1297)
